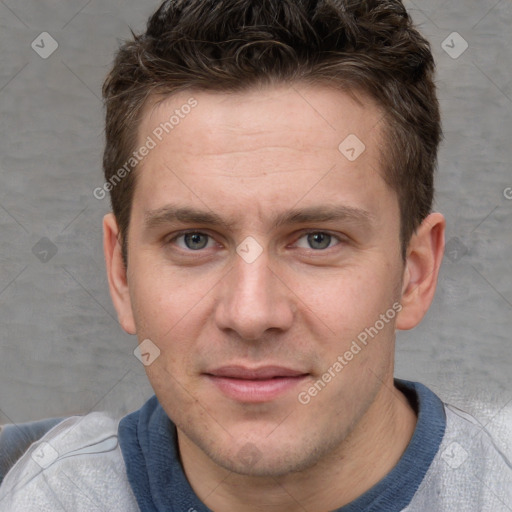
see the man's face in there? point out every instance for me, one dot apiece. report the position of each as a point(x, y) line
point(292, 252)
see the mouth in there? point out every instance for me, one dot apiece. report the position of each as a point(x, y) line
point(255, 385)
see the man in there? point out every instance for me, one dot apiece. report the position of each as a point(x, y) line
point(270, 166)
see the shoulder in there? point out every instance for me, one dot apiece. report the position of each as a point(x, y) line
point(471, 470)
point(482, 450)
point(77, 466)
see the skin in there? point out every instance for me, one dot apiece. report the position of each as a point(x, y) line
point(249, 158)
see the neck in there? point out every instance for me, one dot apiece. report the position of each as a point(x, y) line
point(366, 456)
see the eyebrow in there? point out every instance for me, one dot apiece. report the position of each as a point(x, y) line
point(175, 214)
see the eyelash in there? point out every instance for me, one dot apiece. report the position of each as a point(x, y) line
point(180, 234)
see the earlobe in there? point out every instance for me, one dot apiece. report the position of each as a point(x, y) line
point(424, 257)
point(116, 274)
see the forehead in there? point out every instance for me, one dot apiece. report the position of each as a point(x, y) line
point(309, 116)
point(263, 145)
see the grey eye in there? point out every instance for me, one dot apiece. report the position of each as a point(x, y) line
point(319, 240)
point(195, 241)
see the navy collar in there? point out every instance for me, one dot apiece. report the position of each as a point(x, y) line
point(150, 450)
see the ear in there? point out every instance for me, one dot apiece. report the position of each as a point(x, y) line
point(116, 273)
point(424, 256)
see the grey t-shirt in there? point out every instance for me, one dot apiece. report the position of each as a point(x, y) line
point(96, 463)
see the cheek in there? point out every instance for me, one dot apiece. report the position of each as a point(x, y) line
point(159, 310)
point(175, 391)
point(160, 295)
point(346, 300)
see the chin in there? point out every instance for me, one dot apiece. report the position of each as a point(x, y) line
point(265, 458)
point(268, 465)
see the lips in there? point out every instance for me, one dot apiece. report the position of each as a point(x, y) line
point(263, 373)
point(255, 385)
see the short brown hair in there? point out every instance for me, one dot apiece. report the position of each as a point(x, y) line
point(231, 45)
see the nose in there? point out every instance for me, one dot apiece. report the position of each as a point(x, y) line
point(253, 300)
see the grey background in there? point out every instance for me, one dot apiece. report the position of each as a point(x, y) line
point(61, 349)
